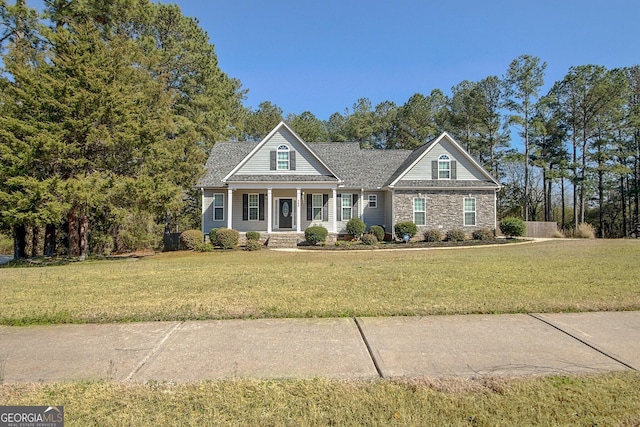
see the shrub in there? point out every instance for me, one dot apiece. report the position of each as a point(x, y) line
point(456, 235)
point(512, 227)
point(212, 236)
point(483, 234)
point(315, 234)
point(227, 238)
point(403, 228)
point(557, 234)
point(369, 239)
point(378, 231)
point(204, 247)
point(253, 235)
point(356, 227)
point(585, 231)
point(433, 235)
point(253, 245)
point(190, 239)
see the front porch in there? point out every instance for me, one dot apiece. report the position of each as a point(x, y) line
point(283, 239)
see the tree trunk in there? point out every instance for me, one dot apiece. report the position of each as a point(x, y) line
point(562, 201)
point(74, 246)
point(35, 238)
point(84, 235)
point(19, 241)
point(50, 240)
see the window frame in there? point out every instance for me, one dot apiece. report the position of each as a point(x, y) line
point(314, 207)
point(255, 208)
point(283, 164)
point(374, 200)
point(444, 160)
point(344, 197)
point(474, 212)
point(423, 211)
point(217, 208)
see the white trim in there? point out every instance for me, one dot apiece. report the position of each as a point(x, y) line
point(448, 161)
point(369, 201)
point(276, 214)
point(297, 204)
point(334, 224)
point(230, 208)
point(424, 203)
point(269, 209)
point(214, 207)
point(458, 147)
point(464, 211)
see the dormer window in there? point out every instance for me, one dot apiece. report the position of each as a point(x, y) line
point(283, 158)
point(444, 167)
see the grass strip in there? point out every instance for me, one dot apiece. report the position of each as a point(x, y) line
point(606, 399)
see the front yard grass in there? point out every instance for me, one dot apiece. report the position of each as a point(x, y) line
point(553, 276)
point(607, 399)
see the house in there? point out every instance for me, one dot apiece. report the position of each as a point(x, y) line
point(283, 184)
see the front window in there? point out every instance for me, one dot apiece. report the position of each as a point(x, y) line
point(218, 207)
point(316, 205)
point(444, 167)
point(347, 207)
point(373, 200)
point(419, 211)
point(469, 211)
point(254, 207)
point(283, 158)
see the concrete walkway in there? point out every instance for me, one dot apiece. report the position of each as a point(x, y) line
point(356, 348)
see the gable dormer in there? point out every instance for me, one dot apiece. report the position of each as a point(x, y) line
point(281, 153)
point(442, 162)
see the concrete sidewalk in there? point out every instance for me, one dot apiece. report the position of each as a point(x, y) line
point(433, 346)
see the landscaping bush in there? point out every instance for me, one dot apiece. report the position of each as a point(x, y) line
point(190, 239)
point(315, 234)
point(403, 228)
point(483, 234)
point(253, 235)
point(378, 231)
point(253, 245)
point(433, 235)
point(204, 247)
point(512, 227)
point(585, 231)
point(456, 235)
point(356, 227)
point(369, 239)
point(212, 236)
point(227, 238)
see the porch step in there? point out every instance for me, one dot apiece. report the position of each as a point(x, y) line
point(284, 240)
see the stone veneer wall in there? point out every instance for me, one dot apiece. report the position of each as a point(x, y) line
point(445, 209)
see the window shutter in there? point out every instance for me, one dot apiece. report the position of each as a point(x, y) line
point(292, 160)
point(325, 211)
point(434, 169)
point(261, 207)
point(339, 206)
point(354, 202)
point(309, 207)
point(454, 171)
point(272, 157)
point(245, 207)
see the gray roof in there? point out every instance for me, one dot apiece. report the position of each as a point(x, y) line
point(223, 157)
point(357, 168)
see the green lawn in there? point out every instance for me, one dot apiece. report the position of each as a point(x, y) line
point(559, 275)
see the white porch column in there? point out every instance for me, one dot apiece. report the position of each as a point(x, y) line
point(269, 209)
point(334, 226)
point(298, 204)
point(204, 209)
point(361, 207)
point(229, 208)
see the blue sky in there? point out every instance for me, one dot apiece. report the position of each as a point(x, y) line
point(321, 56)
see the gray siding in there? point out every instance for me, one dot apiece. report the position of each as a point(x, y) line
point(466, 170)
point(207, 217)
point(374, 216)
point(306, 163)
